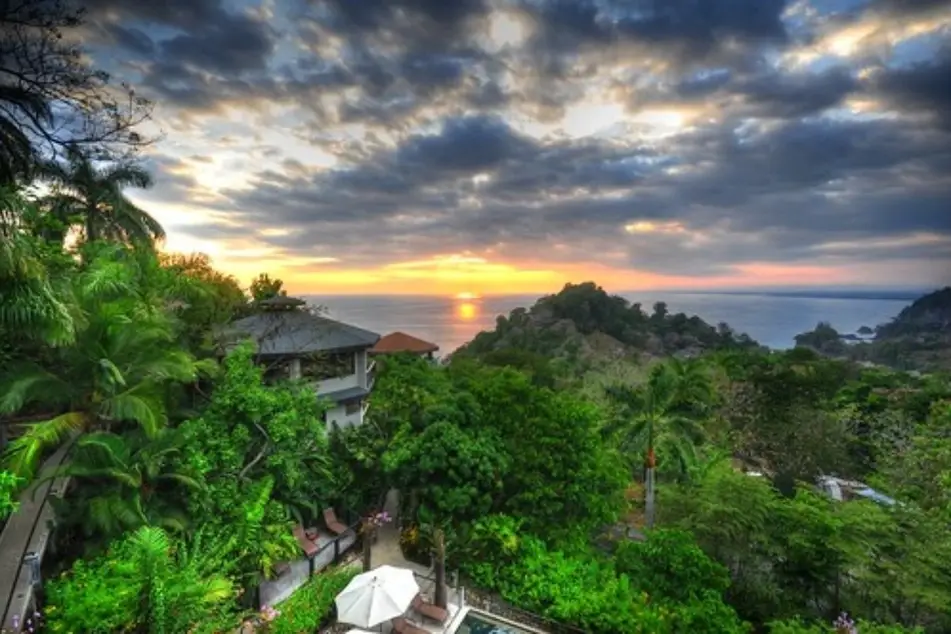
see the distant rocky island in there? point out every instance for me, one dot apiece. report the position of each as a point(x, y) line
point(918, 338)
point(583, 326)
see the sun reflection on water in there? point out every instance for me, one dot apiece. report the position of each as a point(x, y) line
point(467, 311)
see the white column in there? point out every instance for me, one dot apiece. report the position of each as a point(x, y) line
point(361, 367)
point(295, 369)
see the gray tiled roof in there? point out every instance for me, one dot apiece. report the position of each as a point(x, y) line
point(349, 394)
point(300, 332)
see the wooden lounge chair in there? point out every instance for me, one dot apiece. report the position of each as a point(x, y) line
point(430, 610)
point(402, 626)
point(333, 524)
point(308, 545)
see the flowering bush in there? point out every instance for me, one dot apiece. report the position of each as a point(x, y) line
point(377, 520)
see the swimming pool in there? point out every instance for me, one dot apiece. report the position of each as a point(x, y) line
point(478, 622)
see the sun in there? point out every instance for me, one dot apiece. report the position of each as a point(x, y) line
point(467, 295)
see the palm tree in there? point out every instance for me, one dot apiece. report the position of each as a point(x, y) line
point(115, 373)
point(94, 194)
point(128, 482)
point(663, 415)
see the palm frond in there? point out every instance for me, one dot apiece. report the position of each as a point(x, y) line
point(147, 411)
point(24, 453)
point(32, 385)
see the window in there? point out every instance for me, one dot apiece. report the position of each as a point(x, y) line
point(354, 407)
point(318, 367)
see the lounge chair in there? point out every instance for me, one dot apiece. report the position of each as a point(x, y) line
point(430, 610)
point(402, 626)
point(333, 524)
point(308, 545)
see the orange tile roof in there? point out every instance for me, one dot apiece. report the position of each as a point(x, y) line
point(402, 342)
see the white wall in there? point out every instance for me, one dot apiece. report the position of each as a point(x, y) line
point(338, 414)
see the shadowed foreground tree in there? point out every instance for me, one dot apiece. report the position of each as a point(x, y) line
point(41, 63)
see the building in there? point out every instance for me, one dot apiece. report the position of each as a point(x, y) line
point(397, 342)
point(298, 343)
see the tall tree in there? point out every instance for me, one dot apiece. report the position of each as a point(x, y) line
point(94, 195)
point(663, 414)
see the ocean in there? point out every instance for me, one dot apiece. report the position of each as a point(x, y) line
point(771, 319)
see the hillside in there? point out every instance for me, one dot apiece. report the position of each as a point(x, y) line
point(918, 338)
point(583, 324)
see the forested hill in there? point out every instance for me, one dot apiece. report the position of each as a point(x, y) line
point(928, 317)
point(583, 323)
point(918, 338)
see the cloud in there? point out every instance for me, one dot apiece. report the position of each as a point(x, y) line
point(731, 135)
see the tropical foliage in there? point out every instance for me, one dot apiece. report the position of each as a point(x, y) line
point(519, 461)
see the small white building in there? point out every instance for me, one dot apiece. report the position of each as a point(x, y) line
point(298, 343)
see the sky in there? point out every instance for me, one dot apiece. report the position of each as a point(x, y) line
point(491, 146)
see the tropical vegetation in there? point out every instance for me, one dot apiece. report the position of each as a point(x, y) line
point(604, 468)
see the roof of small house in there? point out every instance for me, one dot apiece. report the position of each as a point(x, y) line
point(296, 332)
point(402, 342)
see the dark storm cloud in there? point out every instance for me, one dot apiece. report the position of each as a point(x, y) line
point(772, 167)
point(130, 38)
point(185, 14)
point(924, 87)
point(232, 44)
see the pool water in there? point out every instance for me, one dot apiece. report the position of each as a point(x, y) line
point(479, 623)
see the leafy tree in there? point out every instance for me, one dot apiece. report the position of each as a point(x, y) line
point(92, 195)
point(455, 474)
point(670, 565)
point(263, 287)
point(262, 451)
point(216, 299)
point(117, 371)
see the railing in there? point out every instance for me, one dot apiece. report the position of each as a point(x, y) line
point(23, 543)
point(300, 570)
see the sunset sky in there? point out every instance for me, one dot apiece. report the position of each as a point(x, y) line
point(487, 146)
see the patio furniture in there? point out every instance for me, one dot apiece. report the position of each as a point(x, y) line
point(430, 610)
point(308, 545)
point(402, 626)
point(376, 596)
point(333, 524)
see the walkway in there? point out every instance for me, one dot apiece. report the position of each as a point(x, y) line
point(386, 551)
point(27, 531)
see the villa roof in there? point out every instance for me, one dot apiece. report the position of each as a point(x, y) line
point(402, 342)
point(297, 332)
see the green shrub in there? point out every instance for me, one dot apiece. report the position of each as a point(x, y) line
point(306, 609)
point(582, 591)
point(145, 583)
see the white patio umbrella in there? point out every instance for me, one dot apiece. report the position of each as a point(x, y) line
point(376, 596)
